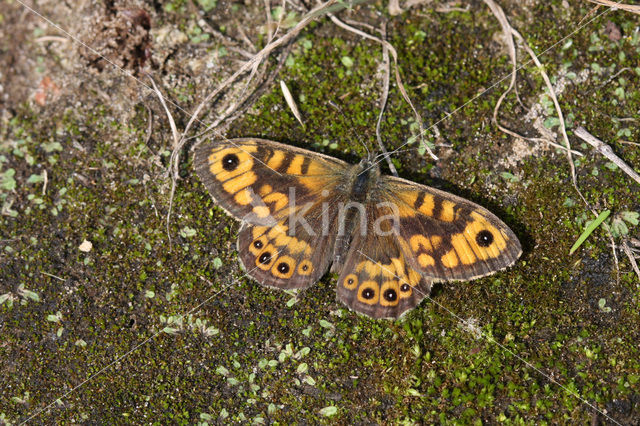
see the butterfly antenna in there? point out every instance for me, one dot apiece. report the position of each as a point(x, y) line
point(394, 151)
point(351, 129)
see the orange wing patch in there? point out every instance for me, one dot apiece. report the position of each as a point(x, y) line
point(416, 200)
point(230, 162)
point(479, 241)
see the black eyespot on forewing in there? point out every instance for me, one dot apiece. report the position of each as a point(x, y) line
point(405, 287)
point(484, 238)
point(257, 244)
point(230, 162)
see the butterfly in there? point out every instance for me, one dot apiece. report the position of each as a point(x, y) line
point(387, 238)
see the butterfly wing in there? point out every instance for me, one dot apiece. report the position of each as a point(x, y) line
point(446, 237)
point(377, 279)
point(275, 259)
point(286, 198)
point(256, 180)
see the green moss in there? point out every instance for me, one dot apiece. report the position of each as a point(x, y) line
point(223, 348)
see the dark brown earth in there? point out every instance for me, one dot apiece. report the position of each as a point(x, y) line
point(157, 324)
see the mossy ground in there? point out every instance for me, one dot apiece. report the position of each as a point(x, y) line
point(250, 354)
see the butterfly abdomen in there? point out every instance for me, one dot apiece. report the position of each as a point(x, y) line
point(353, 213)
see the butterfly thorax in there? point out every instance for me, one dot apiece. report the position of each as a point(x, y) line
point(365, 179)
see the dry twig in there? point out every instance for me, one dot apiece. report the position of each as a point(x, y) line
point(250, 64)
point(383, 99)
point(563, 131)
point(606, 150)
point(176, 139)
point(631, 255)
point(628, 7)
point(508, 32)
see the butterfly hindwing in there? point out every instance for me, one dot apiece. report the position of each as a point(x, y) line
point(276, 257)
point(376, 279)
point(447, 237)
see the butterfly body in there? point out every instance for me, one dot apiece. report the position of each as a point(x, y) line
point(388, 239)
point(366, 182)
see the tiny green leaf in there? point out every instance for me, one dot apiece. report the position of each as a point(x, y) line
point(187, 232)
point(592, 226)
point(329, 411)
point(347, 61)
point(35, 179)
point(509, 176)
point(631, 217)
point(325, 324)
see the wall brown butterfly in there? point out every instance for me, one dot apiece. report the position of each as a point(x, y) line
point(387, 238)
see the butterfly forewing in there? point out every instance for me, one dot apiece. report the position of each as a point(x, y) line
point(256, 180)
point(447, 237)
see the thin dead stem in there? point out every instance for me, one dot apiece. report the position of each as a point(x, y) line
point(267, 8)
point(509, 32)
point(394, 54)
point(628, 7)
point(176, 139)
point(606, 150)
point(383, 98)
point(508, 36)
point(258, 57)
point(632, 259)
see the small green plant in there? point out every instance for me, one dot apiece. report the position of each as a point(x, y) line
point(602, 304)
point(590, 228)
point(619, 223)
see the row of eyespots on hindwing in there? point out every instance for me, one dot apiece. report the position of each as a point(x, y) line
point(269, 258)
point(396, 282)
